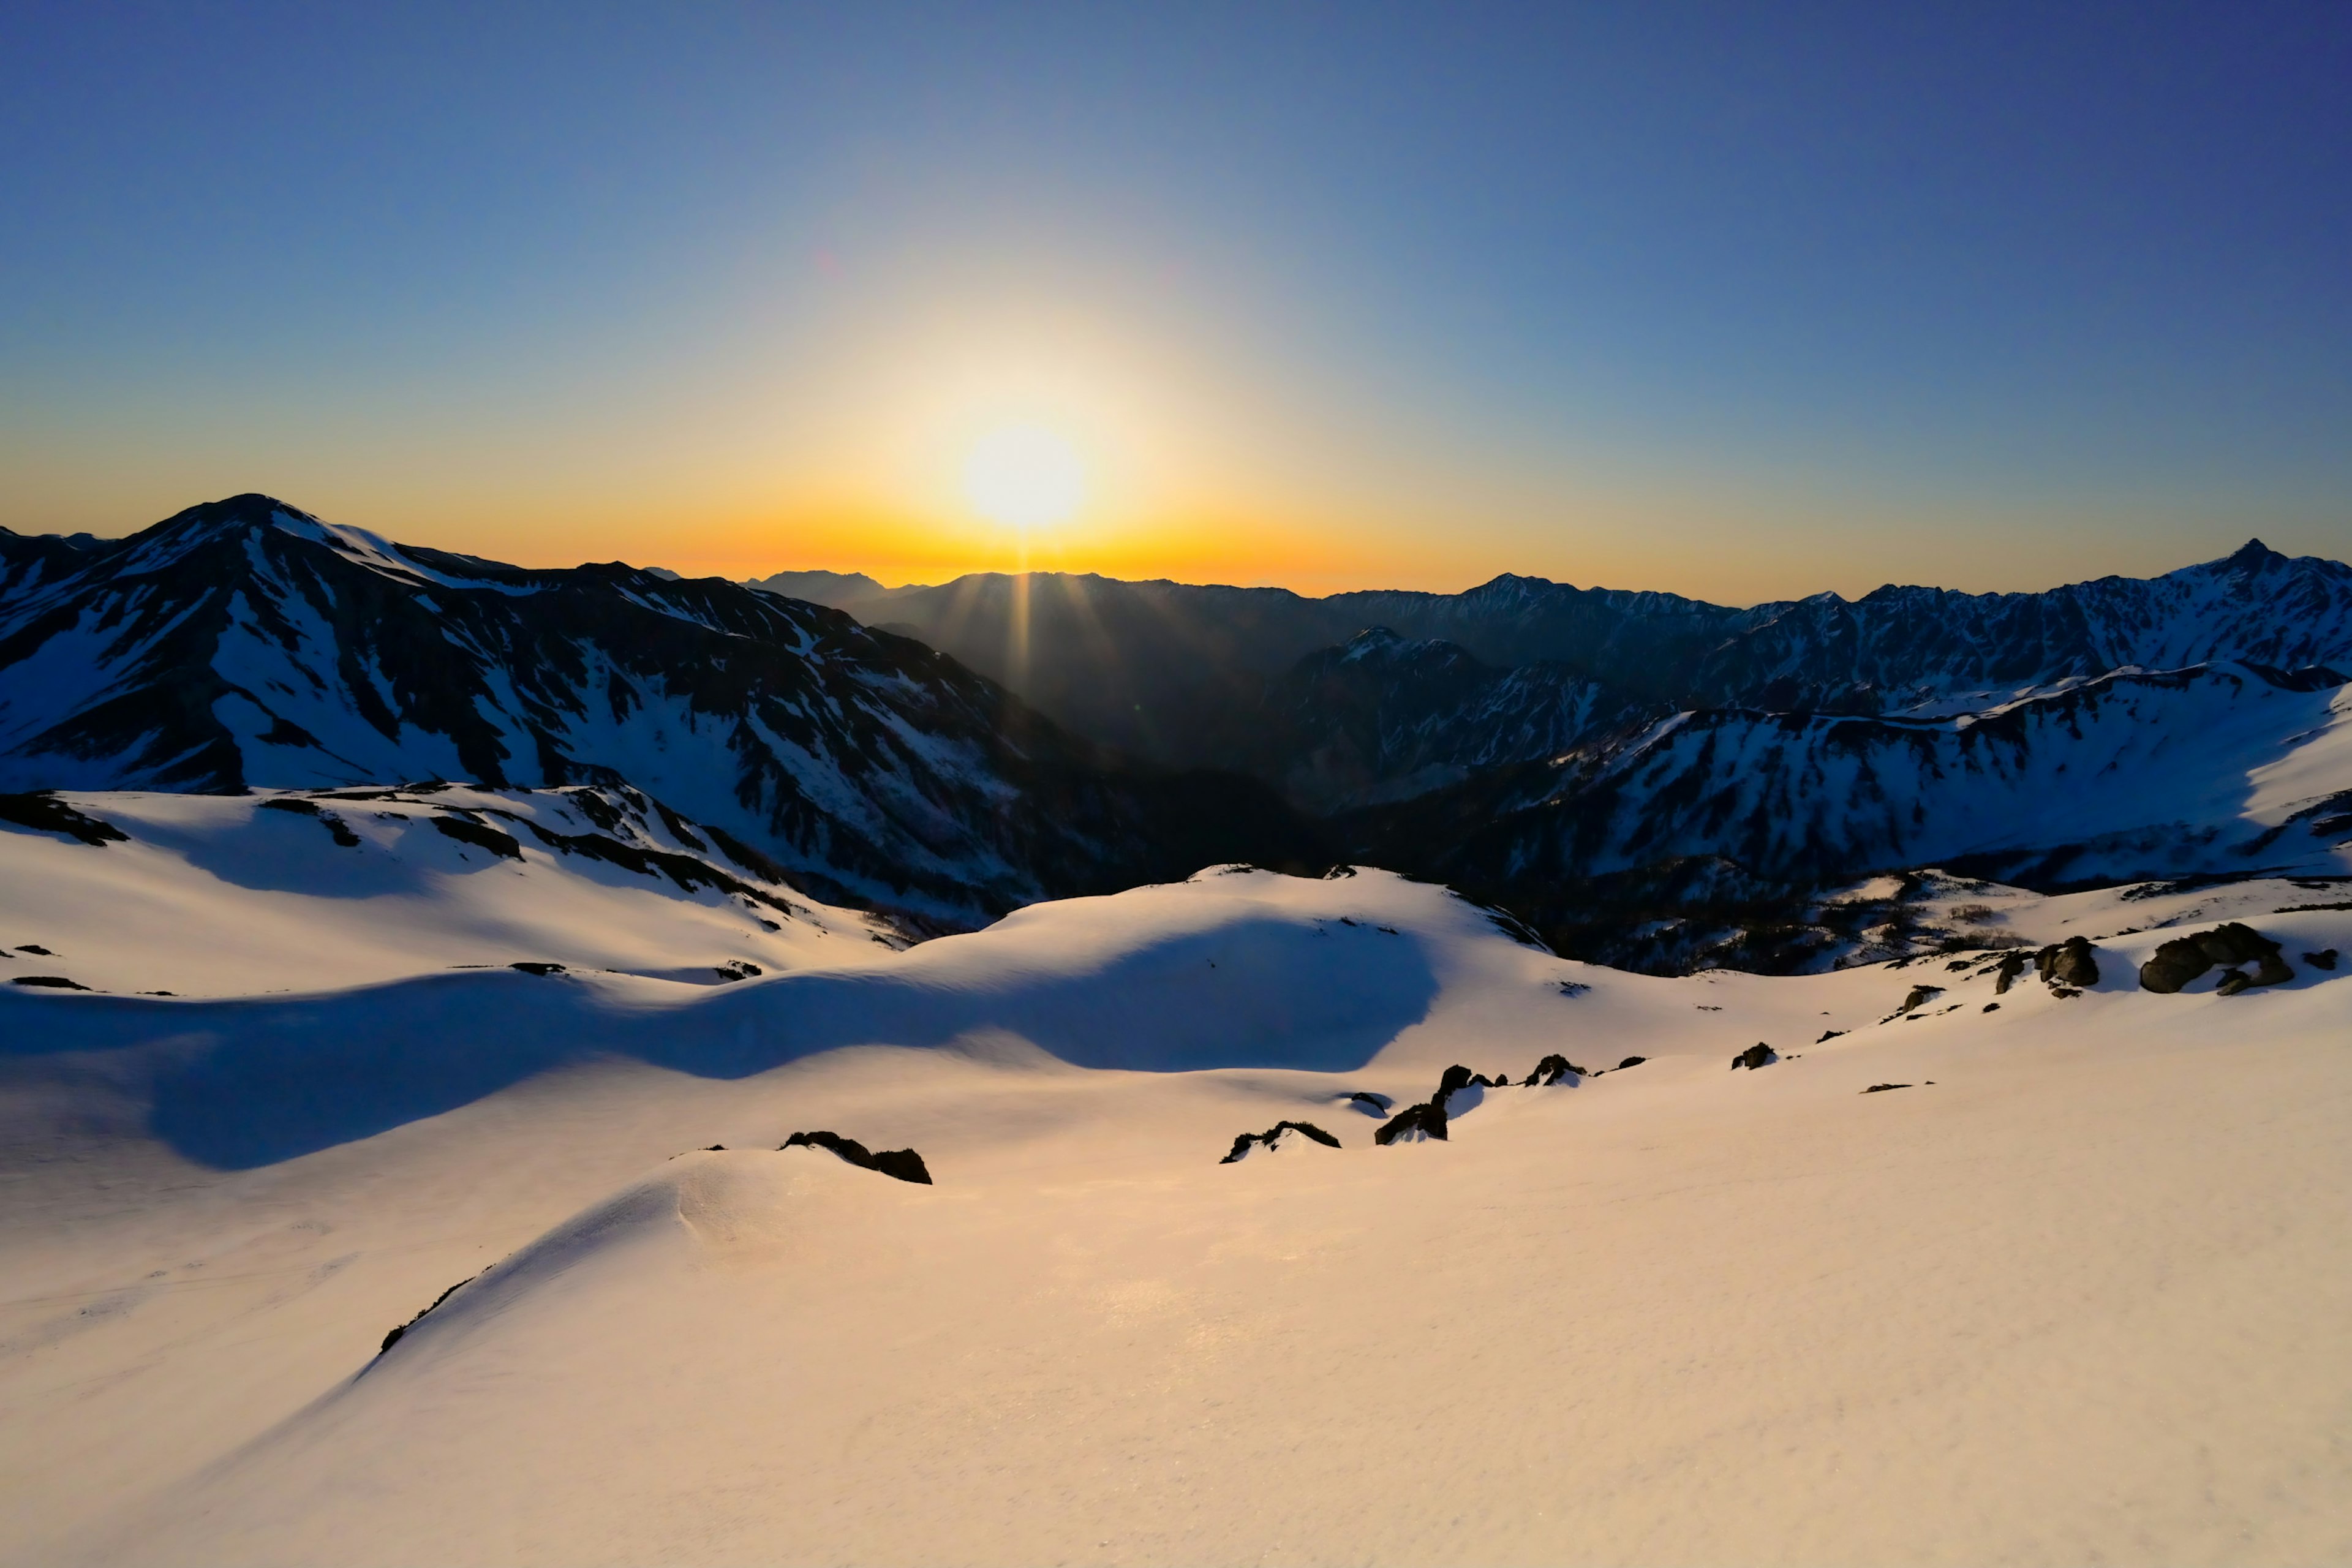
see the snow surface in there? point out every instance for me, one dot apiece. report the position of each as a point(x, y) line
point(223, 896)
point(2077, 1292)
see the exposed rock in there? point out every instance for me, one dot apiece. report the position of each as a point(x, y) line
point(535, 966)
point(1412, 1124)
point(2322, 960)
point(1272, 1139)
point(2183, 959)
point(481, 836)
point(1883, 1087)
point(903, 1163)
point(392, 1338)
point(1553, 1068)
point(45, 813)
point(2012, 964)
point(737, 969)
point(1370, 1104)
point(1631, 1062)
point(1920, 996)
point(53, 981)
point(1827, 1036)
point(1758, 1055)
point(37, 947)
point(2068, 962)
point(1992, 1006)
point(2232, 981)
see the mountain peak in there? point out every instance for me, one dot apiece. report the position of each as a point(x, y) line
point(2254, 552)
point(247, 511)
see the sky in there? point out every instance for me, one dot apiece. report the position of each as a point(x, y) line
point(1745, 303)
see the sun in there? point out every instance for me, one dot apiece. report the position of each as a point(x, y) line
point(1024, 477)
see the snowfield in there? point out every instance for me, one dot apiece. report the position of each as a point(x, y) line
point(2040, 1273)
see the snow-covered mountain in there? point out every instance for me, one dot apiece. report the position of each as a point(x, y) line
point(1181, 672)
point(1386, 718)
point(2216, 769)
point(246, 643)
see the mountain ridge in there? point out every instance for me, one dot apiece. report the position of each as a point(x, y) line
point(246, 642)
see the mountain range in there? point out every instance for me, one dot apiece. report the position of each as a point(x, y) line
point(246, 643)
point(1595, 761)
point(1187, 674)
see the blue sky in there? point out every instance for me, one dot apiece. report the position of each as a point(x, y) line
point(1742, 302)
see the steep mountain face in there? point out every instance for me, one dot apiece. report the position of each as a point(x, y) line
point(2222, 768)
point(246, 643)
point(1184, 673)
point(1385, 718)
point(27, 561)
point(1929, 649)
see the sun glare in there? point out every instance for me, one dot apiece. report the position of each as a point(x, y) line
point(1024, 477)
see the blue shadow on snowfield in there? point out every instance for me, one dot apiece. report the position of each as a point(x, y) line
point(251, 1081)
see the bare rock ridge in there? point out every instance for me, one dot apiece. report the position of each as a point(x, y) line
point(903, 1163)
point(400, 1330)
point(1272, 1139)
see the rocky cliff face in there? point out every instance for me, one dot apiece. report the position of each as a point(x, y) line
point(246, 643)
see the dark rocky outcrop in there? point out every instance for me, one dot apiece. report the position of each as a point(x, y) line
point(1413, 1124)
point(1552, 1070)
point(739, 969)
point(1273, 1134)
point(1883, 1087)
point(1758, 1055)
point(2325, 959)
point(536, 966)
point(1919, 997)
point(35, 947)
point(482, 838)
point(2183, 959)
point(1631, 1062)
point(1370, 1104)
point(53, 981)
point(393, 1338)
point(2068, 962)
point(2012, 964)
point(903, 1163)
point(45, 813)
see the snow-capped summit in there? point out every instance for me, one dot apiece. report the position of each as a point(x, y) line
point(246, 643)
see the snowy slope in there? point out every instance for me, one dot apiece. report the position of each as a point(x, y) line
point(2138, 774)
point(2074, 1292)
point(246, 643)
point(215, 895)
